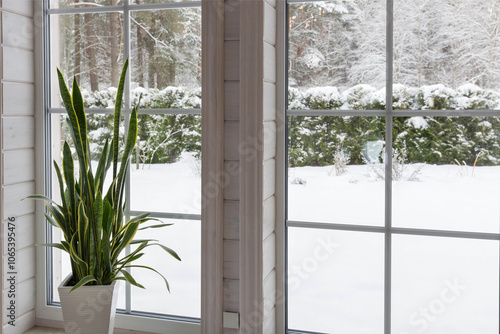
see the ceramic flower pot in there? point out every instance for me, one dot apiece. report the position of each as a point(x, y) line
point(88, 309)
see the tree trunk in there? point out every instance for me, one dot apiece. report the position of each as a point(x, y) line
point(78, 41)
point(91, 51)
point(115, 52)
point(140, 65)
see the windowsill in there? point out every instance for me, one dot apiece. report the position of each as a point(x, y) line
point(44, 330)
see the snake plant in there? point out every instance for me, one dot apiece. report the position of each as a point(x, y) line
point(91, 217)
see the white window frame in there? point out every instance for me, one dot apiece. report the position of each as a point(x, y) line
point(51, 315)
point(387, 230)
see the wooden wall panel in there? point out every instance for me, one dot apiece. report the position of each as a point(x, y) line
point(231, 60)
point(15, 168)
point(18, 133)
point(231, 220)
point(25, 232)
point(18, 99)
point(18, 65)
point(17, 30)
point(12, 199)
point(23, 7)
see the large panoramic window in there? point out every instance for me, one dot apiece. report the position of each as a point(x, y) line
point(393, 173)
point(90, 40)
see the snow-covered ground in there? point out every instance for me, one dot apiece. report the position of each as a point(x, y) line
point(440, 285)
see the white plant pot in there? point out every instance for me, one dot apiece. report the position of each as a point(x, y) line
point(88, 309)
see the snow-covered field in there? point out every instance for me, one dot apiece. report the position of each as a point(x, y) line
point(440, 285)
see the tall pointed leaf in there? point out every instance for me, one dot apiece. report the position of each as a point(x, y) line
point(116, 121)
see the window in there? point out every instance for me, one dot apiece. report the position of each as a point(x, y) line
point(393, 209)
point(162, 40)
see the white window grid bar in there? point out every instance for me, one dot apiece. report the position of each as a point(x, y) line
point(125, 6)
point(397, 113)
point(159, 111)
point(389, 114)
point(125, 9)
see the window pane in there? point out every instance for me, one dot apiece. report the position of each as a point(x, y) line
point(166, 52)
point(335, 281)
point(447, 52)
point(90, 47)
point(446, 173)
point(166, 171)
point(83, 3)
point(336, 171)
point(444, 285)
point(141, 2)
point(337, 49)
point(184, 277)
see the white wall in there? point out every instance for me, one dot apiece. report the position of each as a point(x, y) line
point(17, 96)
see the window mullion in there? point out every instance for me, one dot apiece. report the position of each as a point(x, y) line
point(388, 166)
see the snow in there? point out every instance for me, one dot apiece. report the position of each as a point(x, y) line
point(336, 278)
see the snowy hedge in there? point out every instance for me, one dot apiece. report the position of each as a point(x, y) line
point(314, 140)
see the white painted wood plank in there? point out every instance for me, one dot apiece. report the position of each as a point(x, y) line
point(269, 140)
point(269, 101)
point(18, 99)
point(12, 196)
point(270, 323)
point(23, 323)
point(231, 259)
point(18, 132)
point(212, 264)
point(269, 292)
point(269, 178)
point(231, 331)
point(18, 65)
point(24, 299)
point(269, 24)
point(25, 232)
point(24, 7)
point(231, 61)
point(45, 330)
point(269, 251)
point(231, 295)
point(17, 31)
point(232, 20)
point(232, 100)
point(269, 218)
point(231, 220)
point(272, 3)
point(18, 166)
point(232, 186)
point(269, 63)
point(24, 265)
point(231, 141)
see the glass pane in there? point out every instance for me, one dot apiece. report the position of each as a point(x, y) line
point(90, 47)
point(166, 57)
point(336, 171)
point(83, 3)
point(446, 173)
point(335, 281)
point(142, 2)
point(337, 52)
point(444, 285)
point(166, 170)
point(446, 53)
point(184, 277)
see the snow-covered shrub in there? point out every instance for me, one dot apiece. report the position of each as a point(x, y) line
point(359, 97)
point(403, 97)
point(323, 98)
point(436, 97)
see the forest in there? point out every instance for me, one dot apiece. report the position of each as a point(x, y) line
point(446, 56)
